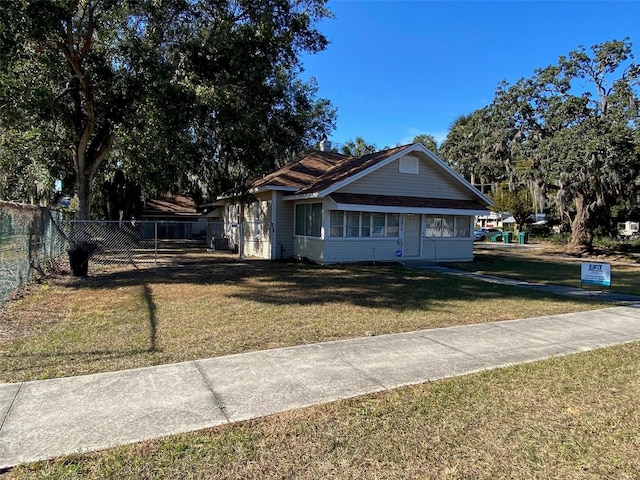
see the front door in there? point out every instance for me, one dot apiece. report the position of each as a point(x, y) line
point(411, 235)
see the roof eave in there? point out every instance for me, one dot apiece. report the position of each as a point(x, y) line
point(270, 188)
point(305, 196)
point(408, 210)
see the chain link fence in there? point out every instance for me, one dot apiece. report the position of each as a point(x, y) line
point(38, 241)
point(139, 242)
point(32, 242)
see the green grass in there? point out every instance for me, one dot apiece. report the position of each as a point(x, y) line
point(216, 306)
point(548, 266)
point(572, 417)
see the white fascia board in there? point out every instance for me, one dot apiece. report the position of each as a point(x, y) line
point(308, 196)
point(408, 210)
point(270, 188)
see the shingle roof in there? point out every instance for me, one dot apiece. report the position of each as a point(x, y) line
point(178, 205)
point(302, 173)
point(319, 170)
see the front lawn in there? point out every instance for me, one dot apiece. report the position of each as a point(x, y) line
point(211, 305)
point(548, 265)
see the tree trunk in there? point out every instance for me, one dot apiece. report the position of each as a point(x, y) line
point(88, 157)
point(581, 235)
point(83, 189)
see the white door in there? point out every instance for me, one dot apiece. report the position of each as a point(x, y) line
point(411, 235)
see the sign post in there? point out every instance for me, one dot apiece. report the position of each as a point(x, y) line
point(598, 274)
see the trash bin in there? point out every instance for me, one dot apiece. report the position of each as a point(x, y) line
point(496, 238)
point(506, 237)
point(523, 237)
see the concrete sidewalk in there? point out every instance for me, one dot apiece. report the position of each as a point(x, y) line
point(49, 418)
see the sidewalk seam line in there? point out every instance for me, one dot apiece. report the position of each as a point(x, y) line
point(217, 401)
point(11, 406)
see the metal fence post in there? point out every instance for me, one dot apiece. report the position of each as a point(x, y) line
point(155, 253)
point(241, 242)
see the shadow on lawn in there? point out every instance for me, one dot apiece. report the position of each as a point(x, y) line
point(153, 321)
point(284, 283)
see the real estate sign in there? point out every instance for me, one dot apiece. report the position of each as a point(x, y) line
point(596, 274)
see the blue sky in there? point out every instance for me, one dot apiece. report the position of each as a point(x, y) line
point(396, 69)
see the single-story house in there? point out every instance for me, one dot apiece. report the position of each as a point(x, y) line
point(491, 220)
point(399, 204)
point(176, 216)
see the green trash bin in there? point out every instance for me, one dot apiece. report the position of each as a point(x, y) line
point(523, 238)
point(496, 238)
point(506, 237)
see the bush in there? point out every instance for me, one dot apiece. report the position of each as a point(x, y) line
point(559, 238)
point(538, 231)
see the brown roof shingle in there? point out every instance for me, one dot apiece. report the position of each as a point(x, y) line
point(170, 205)
point(303, 172)
point(319, 170)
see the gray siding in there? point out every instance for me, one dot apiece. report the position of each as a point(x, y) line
point(447, 249)
point(309, 247)
point(384, 250)
point(430, 182)
point(284, 227)
point(257, 230)
point(360, 250)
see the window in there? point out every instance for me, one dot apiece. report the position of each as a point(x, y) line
point(337, 224)
point(434, 226)
point(309, 219)
point(393, 225)
point(378, 222)
point(448, 226)
point(353, 224)
point(463, 227)
point(364, 224)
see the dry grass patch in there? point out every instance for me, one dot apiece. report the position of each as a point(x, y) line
point(212, 305)
point(572, 417)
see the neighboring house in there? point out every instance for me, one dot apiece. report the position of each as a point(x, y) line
point(176, 217)
point(491, 220)
point(404, 203)
point(505, 220)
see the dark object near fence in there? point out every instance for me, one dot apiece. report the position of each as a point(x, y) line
point(79, 256)
point(221, 244)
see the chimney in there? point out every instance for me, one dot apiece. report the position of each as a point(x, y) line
point(325, 145)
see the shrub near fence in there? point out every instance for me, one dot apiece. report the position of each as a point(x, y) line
point(32, 242)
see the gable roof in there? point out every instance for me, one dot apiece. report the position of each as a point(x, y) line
point(348, 169)
point(302, 173)
point(170, 205)
point(321, 173)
